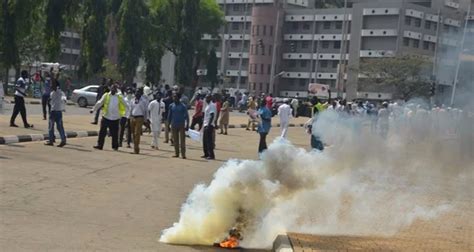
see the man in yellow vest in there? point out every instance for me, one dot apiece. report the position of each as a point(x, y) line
point(113, 108)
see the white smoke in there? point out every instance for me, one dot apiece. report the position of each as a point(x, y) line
point(360, 185)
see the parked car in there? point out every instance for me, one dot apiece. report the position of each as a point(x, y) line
point(85, 96)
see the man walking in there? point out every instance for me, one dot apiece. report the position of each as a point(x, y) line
point(167, 101)
point(294, 106)
point(125, 120)
point(210, 113)
point(264, 126)
point(113, 108)
point(20, 94)
point(285, 113)
point(46, 95)
point(156, 108)
point(57, 101)
point(139, 115)
point(178, 118)
point(198, 113)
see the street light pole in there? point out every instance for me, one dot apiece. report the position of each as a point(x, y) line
point(275, 47)
point(223, 46)
point(241, 56)
point(342, 54)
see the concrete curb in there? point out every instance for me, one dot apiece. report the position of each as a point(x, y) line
point(282, 244)
point(69, 103)
point(43, 137)
point(77, 134)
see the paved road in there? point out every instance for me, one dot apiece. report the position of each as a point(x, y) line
point(79, 199)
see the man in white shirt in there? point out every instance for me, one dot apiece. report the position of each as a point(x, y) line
point(113, 108)
point(139, 115)
point(155, 109)
point(210, 113)
point(125, 120)
point(57, 101)
point(285, 113)
point(295, 105)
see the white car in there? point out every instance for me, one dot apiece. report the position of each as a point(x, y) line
point(85, 96)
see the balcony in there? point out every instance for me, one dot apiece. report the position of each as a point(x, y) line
point(380, 11)
point(379, 33)
point(376, 53)
point(411, 34)
point(414, 13)
point(238, 18)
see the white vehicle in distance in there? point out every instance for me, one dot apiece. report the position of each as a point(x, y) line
point(85, 96)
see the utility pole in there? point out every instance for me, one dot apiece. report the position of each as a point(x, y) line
point(314, 44)
point(223, 46)
point(435, 56)
point(275, 46)
point(342, 54)
point(456, 76)
point(244, 32)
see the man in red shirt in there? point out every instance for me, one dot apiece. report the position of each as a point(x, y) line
point(198, 113)
point(269, 101)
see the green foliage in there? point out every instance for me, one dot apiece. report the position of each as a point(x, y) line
point(130, 21)
point(406, 75)
point(93, 36)
point(110, 70)
point(212, 68)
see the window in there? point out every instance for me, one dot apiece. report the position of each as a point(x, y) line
point(263, 49)
point(416, 43)
point(255, 68)
point(455, 29)
point(233, 62)
point(262, 71)
point(327, 25)
point(264, 30)
point(268, 88)
point(233, 43)
point(270, 50)
point(335, 63)
point(417, 22)
point(292, 63)
point(427, 25)
point(92, 89)
point(324, 63)
point(302, 82)
point(235, 7)
point(407, 20)
point(304, 44)
point(256, 50)
point(269, 69)
point(271, 30)
point(303, 63)
point(325, 44)
point(426, 45)
point(291, 82)
point(247, 26)
point(406, 41)
point(339, 25)
point(294, 25)
point(258, 30)
point(446, 28)
point(260, 86)
point(337, 44)
point(235, 26)
point(435, 26)
point(306, 26)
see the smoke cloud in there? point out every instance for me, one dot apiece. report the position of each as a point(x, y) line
point(362, 184)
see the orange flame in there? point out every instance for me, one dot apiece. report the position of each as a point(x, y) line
point(230, 242)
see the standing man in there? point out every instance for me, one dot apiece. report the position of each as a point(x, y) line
point(210, 113)
point(100, 92)
point(156, 108)
point(46, 94)
point(113, 108)
point(295, 105)
point(57, 101)
point(167, 101)
point(264, 126)
point(198, 116)
point(20, 94)
point(178, 118)
point(269, 101)
point(285, 113)
point(125, 120)
point(139, 115)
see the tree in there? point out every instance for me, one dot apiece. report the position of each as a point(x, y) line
point(406, 75)
point(130, 37)
point(93, 37)
point(110, 70)
point(212, 68)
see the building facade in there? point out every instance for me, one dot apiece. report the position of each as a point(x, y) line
point(280, 46)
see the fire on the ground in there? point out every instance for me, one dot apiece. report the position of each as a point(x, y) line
point(232, 241)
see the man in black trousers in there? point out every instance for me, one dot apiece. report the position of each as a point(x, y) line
point(210, 113)
point(20, 94)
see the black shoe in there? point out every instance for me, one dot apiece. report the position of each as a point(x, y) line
point(97, 147)
point(95, 123)
point(61, 144)
point(176, 156)
point(210, 158)
point(49, 143)
point(44, 118)
point(28, 126)
point(13, 125)
point(204, 157)
point(184, 157)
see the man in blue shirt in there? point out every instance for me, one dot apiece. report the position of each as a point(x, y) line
point(178, 118)
point(264, 126)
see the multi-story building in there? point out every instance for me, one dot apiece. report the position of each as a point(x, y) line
point(280, 46)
